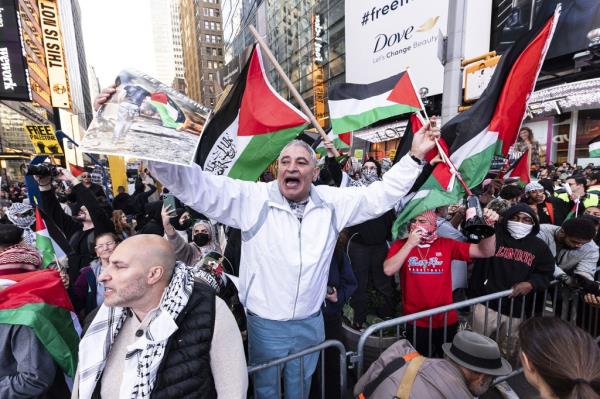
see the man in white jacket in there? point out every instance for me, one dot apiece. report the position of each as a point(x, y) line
point(289, 230)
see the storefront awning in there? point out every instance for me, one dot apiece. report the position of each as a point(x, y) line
point(381, 133)
point(584, 94)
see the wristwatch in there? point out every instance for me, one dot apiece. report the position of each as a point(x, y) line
point(418, 160)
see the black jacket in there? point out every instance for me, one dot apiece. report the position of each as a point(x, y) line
point(528, 259)
point(123, 202)
point(139, 199)
point(81, 252)
point(185, 372)
point(342, 278)
point(372, 232)
point(552, 211)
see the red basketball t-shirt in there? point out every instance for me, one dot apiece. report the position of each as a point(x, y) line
point(426, 277)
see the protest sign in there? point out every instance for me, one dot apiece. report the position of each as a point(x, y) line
point(146, 119)
point(43, 139)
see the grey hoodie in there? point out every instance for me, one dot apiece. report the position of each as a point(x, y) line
point(581, 261)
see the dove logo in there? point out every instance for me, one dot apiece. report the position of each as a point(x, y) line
point(382, 41)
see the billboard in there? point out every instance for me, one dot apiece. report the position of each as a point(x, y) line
point(14, 84)
point(384, 37)
point(513, 19)
point(55, 56)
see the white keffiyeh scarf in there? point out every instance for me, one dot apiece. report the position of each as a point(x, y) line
point(145, 354)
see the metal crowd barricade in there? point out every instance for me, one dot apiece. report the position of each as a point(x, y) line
point(556, 300)
point(280, 364)
point(543, 302)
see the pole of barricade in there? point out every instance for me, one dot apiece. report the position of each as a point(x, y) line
point(415, 316)
point(280, 363)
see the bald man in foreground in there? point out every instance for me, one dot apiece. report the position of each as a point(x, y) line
point(159, 333)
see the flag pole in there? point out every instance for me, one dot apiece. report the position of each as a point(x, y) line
point(290, 86)
point(445, 159)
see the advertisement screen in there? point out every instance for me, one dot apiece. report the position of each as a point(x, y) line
point(14, 82)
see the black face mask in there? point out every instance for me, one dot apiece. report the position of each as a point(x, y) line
point(201, 239)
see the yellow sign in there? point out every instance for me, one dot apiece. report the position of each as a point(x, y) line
point(43, 139)
point(118, 174)
point(358, 153)
point(55, 58)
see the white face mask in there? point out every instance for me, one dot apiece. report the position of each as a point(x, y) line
point(518, 230)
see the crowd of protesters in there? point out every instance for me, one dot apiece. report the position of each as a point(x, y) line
point(181, 283)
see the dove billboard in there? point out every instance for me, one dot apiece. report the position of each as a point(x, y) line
point(384, 37)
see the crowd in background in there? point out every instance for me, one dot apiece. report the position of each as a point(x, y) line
point(545, 230)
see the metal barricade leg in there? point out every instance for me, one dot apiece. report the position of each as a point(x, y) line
point(297, 370)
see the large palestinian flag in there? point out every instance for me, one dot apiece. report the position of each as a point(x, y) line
point(354, 106)
point(491, 126)
point(39, 300)
point(251, 127)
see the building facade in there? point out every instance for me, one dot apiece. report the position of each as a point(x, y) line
point(162, 40)
point(177, 47)
point(70, 14)
point(202, 39)
point(305, 36)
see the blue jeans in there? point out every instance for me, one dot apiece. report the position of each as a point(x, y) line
point(270, 339)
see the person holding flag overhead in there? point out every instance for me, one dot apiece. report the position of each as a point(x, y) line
point(289, 230)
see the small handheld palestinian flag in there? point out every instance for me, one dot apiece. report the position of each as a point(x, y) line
point(341, 142)
point(39, 301)
point(49, 240)
point(354, 106)
point(250, 128)
point(520, 169)
point(594, 147)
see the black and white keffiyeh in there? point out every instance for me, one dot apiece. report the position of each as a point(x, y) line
point(145, 354)
point(23, 216)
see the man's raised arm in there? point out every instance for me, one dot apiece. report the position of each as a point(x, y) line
point(356, 205)
point(229, 201)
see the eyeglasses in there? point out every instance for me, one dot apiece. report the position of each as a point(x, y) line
point(106, 245)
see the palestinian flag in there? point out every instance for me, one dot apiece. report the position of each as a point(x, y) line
point(594, 147)
point(491, 126)
point(520, 169)
point(46, 244)
point(39, 300)
point(341, 142)
point(169, 113)
point(354, 106)
point(252, 126)
point(76, 170)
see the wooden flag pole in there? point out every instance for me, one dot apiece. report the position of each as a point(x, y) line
point(290, 86)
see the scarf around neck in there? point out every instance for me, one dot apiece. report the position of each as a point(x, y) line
point(145, 356)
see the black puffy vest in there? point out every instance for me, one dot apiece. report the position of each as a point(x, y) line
point(185, 369)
